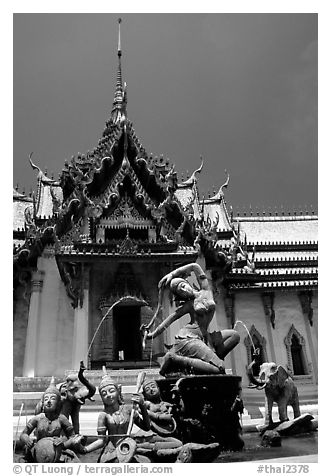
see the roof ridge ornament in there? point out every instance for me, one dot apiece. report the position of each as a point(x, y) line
point(220, 193)
point(41, 175)
point(193, 179)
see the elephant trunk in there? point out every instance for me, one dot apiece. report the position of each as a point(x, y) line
point(91, 388)
point(259, 383)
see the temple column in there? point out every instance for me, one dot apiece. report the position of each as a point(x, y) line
point(80, 340)
point(31, 344)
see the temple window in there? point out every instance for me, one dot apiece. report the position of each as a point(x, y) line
point(296, 353)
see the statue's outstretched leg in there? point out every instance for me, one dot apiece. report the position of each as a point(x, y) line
point(172, 361)
point(224, 341)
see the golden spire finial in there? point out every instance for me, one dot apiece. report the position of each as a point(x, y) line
point(119, 51)
point(119, 104)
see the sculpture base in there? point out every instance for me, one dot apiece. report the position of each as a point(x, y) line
point(206, 408)
point(301, 424)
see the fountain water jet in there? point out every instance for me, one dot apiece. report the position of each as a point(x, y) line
point(123, 298)
point(18, 424)
point(248, 333)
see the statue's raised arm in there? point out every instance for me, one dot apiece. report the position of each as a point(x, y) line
point(194, 350)
point(182, 273)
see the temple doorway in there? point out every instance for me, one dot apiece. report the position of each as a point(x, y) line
point(127, 321)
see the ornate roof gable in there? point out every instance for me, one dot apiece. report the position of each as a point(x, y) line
point(94, 184)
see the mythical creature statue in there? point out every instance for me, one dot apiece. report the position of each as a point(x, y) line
point(195, 350)
point(74, 391)
point(279, 387)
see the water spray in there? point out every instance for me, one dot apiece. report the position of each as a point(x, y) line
point(248, 333)
point(124, 298)
point(18, 424)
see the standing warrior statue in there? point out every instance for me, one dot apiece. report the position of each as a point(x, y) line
point(195, 350)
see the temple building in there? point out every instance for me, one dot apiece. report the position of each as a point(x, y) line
point(91, 247)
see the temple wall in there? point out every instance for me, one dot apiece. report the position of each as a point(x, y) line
point(314, 329)
point(314, 332)
point(55, 333)
point(249, 309)
point(289, 312)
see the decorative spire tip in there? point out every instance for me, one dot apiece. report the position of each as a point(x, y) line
point(119, 51)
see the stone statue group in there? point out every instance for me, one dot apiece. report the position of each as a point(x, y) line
point(195, 352)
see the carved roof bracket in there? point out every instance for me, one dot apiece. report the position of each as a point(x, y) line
point(306, 305)
point(268, 305)
point(72, 275)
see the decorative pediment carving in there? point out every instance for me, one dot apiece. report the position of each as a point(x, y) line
point(74, 234)
point(126, 215)
point(127, 246)
point(125, 288)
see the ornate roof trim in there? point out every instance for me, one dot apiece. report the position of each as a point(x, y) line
point(193, 179)
point(220, 194)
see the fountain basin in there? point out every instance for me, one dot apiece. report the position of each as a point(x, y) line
point(206, 408)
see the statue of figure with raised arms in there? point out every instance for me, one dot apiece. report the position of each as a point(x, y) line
point(195, 351)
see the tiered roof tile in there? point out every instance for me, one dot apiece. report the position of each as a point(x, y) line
point(20, 204)
point(279, 229)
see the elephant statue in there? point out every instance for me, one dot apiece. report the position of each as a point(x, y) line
point(279, 387)
point(74, 391)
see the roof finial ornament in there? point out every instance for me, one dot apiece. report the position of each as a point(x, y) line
point(34, 166)
point(118, 113)
point(31, 163)
point(119, 50)
point(226, 183)
point(191, 180)
point(220, 193)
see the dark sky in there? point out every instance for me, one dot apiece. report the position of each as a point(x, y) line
point(238, 89)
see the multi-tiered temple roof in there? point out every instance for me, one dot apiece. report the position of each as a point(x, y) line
point(118, 201)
